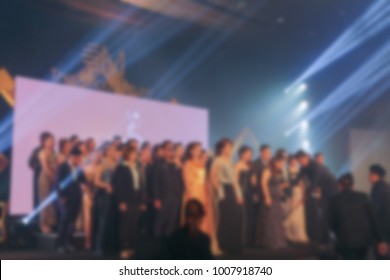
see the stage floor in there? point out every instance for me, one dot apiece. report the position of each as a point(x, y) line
point(302, 253)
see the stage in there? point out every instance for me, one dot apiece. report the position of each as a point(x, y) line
point(291, 253)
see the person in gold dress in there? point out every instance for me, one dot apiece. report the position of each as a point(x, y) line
point(196, 187)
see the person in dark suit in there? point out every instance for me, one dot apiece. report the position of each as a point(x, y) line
point(35, 165)
point(130, 196)
point(146, 170)
point(168, 188)
point(189, 242)
point(68, 183)
point(259, 206)
point(352, 220)
point(380, 196)
point(322, 185)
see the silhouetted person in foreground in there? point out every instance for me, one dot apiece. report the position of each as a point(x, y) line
point(353, 221)
point(380, 196)
point(189, 242)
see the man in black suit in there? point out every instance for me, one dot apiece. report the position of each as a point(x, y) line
point(189, 242)
point(129, 194)
point(168, 190)
point(380, 196)
point(69, 180)
point(258, 168)
point(352, 219)
point(322, 185)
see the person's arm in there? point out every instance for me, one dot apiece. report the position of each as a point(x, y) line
point(264, 186)
point(214, 180)
point(382, 246)
point(236, 184)
point(119, 186)
point(3, 163)
point(187, 180)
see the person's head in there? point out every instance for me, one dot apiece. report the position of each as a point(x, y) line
point(76, 157)
point(74, 139)
point(168, 150)
point(224, 148)
point(303, 158)
point(377, 173)
point(282, 152)
point(265, 152)
point(293, 162)
point(277, 164)
point(204, 158)
point(133, 143)
point(42, 138)
point(117, 140)
point(48, 141)
point(90, 145)
point(65, 146)
point(319, 158)
point(245, 154)
point(119, 152)
point(194, 213)
point(130, 155)
point(157, 153)
point(82, 147)
point(193, 151)
point(346, 182)
point(145, 153)
point(109, 151)
point(179, 151)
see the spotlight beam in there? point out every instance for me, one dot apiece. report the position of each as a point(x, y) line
point(373, 21)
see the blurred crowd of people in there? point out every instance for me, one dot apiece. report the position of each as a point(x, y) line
point(200, 205)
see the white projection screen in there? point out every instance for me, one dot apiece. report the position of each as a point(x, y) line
point(368, 147)
point(67, 110)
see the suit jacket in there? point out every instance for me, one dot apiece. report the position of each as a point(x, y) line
point(353, 221)
point(124, 188)
point(68, 183)
point(320, 176)
point(380, 196)
point(167, 181)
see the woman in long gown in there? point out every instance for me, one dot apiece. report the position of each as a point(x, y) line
point(230, 199)
point(47, 159)
point(195, 183)
point(244, 175)
point(92, 161)
point(273, 183)
point(295, 224)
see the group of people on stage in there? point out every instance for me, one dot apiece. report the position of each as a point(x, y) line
point(169, 191)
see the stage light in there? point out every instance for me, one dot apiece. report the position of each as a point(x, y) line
point(296, 89)
point(375, 20)
point(305, 125)
point(203, 47)
point(306, 145)
point(303, 106)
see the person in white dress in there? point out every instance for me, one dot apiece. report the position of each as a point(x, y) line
point(295, 224)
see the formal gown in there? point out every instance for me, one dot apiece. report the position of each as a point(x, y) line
point(295, 224)
point(46, 184)
point(230, 225)
point(273, 236)
point(195, 188)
